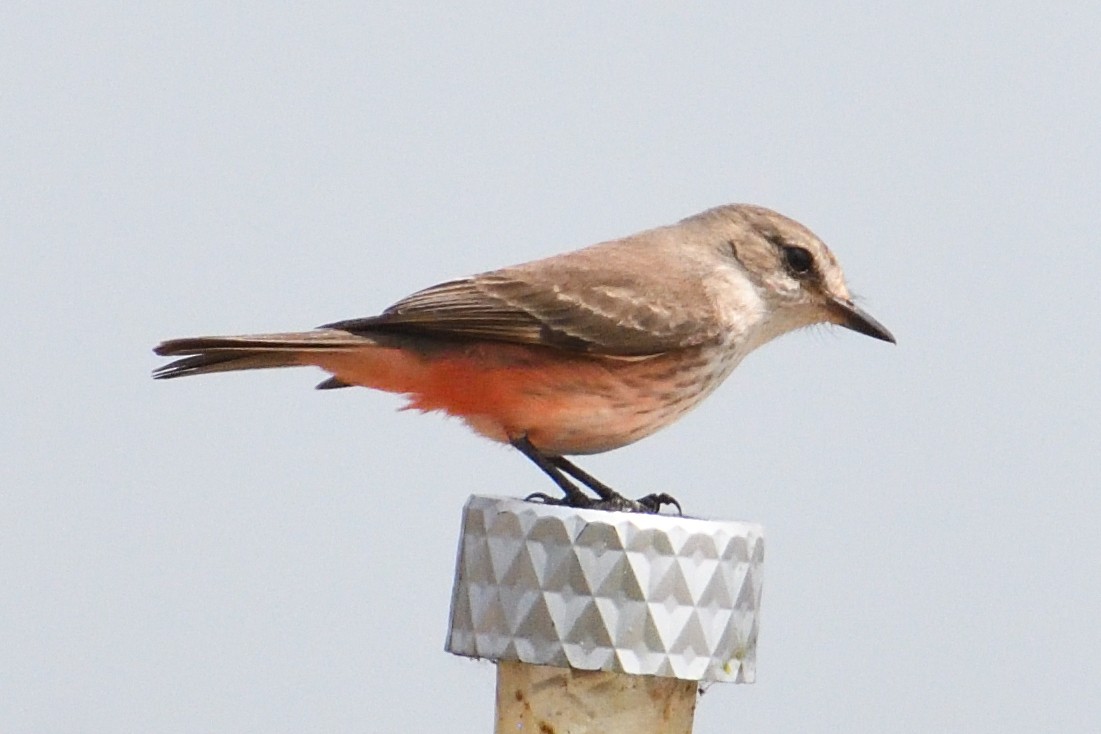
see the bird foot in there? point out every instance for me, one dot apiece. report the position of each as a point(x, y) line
point(651, 504)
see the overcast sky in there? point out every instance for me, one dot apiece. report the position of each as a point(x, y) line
point(241, 553)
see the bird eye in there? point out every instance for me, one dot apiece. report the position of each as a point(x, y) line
point(798, 260)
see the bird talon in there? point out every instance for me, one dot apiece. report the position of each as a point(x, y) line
point(653, 502)
point(543, 499)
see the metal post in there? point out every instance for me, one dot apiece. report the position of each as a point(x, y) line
point(604, 621)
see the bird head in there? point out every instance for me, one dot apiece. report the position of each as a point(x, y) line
point(794, 272)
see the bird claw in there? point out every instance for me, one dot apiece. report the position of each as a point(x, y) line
point(651, 504)
point(578, 500)
point(544, 499)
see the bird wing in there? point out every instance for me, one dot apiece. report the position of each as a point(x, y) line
point(564, 303)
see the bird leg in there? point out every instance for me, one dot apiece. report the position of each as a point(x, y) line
point(574, 496)
point(602, 490)
point(611, 499)
point(554, 466)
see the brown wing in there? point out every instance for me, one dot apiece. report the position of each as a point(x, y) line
point(562, 302)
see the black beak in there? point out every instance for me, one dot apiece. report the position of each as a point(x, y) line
point(851, 316)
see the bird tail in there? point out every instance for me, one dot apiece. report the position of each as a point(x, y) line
point(207, 354)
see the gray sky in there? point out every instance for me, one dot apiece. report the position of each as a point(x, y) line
point(240, 553)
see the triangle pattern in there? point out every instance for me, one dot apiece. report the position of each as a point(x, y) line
point(639, 594)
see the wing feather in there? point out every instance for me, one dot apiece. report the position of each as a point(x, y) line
point(567, 302)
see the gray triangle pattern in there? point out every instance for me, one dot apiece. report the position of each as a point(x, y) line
point(638, 594)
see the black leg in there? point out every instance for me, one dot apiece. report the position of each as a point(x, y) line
point(553, 466)
point(612, 498)
point(605, 492)
point(574, 496)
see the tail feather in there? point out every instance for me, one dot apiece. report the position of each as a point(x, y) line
point(332, 383)
point(207, 354)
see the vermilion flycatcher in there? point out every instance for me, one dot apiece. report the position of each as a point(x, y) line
point(578, 353)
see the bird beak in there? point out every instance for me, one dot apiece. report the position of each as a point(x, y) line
point(846, 313)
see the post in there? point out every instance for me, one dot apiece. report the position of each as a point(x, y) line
point(604, 621)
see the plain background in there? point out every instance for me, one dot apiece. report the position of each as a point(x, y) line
point(240, 553)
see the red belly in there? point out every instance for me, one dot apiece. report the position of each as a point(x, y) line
point(563, 403)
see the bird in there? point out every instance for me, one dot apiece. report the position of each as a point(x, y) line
point(578, 353)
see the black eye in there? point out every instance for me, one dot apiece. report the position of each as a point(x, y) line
point(797, 259)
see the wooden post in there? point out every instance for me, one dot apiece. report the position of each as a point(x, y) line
point(544, 699)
